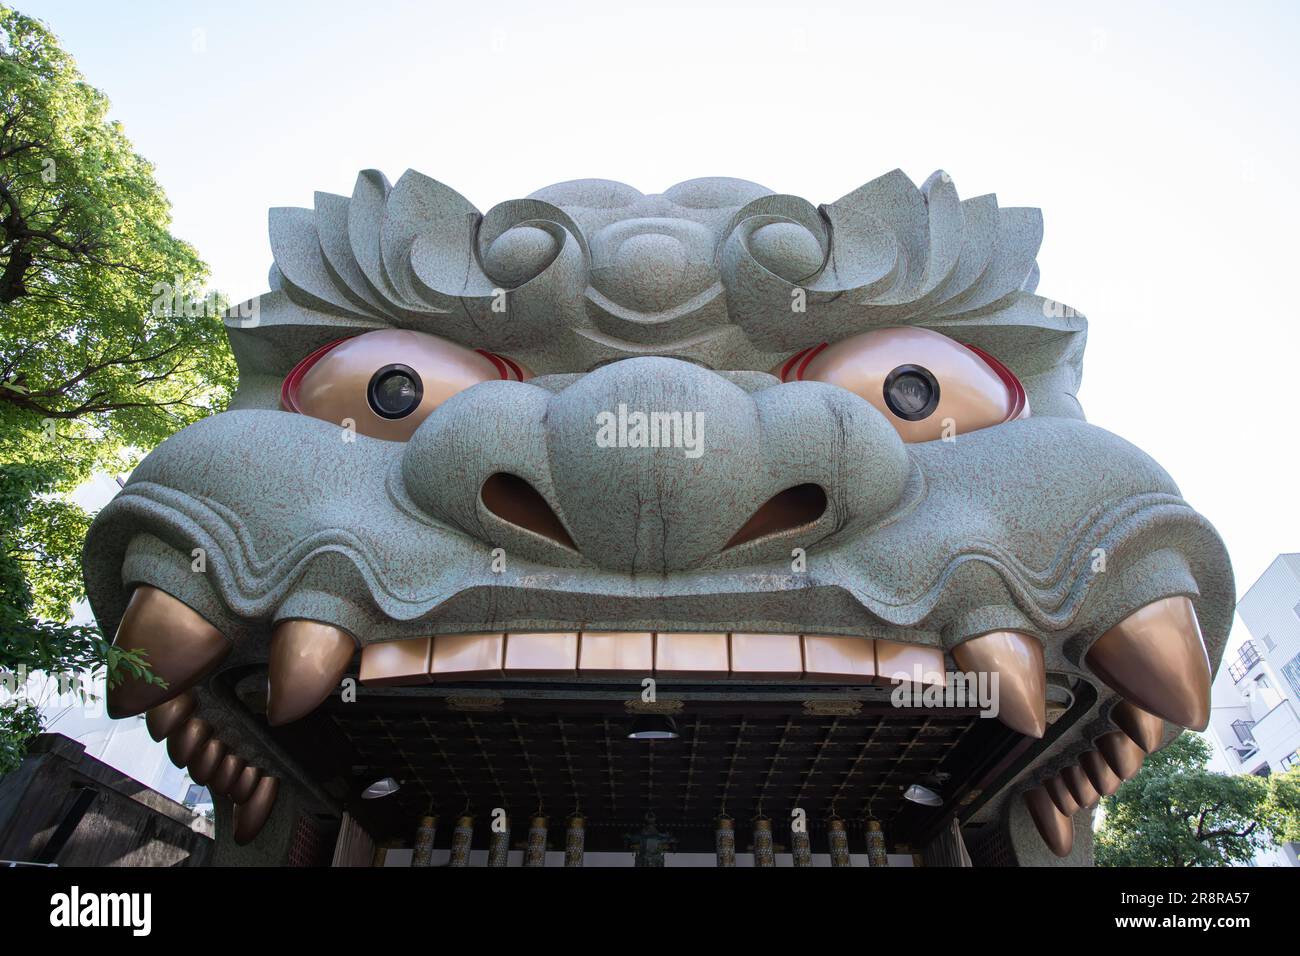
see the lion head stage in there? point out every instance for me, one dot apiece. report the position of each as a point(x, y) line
point(718, 436)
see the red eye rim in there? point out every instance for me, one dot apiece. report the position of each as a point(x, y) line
point(1019, 399)
point(289, 388)
point(507, 368)
point(806, 355)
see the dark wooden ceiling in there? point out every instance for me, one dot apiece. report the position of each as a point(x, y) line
point(740, 756)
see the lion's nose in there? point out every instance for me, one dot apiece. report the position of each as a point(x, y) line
point(656, 465)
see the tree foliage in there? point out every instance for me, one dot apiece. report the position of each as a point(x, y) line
point(107, 345)
point(40, 541)
point(96, 362)
point(1175, 812)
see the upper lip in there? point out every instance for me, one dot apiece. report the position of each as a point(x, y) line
point(526, 595)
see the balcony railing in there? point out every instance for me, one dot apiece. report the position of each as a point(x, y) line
point(1247, 658)
point(1242, 728)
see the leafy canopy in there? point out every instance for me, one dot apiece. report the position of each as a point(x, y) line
point(96, 363)
point(1175, 812)
point(106, 347)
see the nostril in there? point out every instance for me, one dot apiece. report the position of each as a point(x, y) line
point(793, 508)
point(513, 499)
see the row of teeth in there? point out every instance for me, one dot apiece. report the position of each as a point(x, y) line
point(1155, 659)
point(193, 746)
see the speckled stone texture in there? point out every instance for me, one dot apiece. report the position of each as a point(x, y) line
point(683, 302)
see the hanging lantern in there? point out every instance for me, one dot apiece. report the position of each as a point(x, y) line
point(499, 844)
point(535, 854)
point(424, 842)
point(726, 841)
point(876, 854)
point(461, 839)
point(800, 845)
point(839, 840)
point(763, 853)
point(575, 838)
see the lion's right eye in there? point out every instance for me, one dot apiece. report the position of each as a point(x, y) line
point(395, 391)
point(387, 382)
point(926, 384)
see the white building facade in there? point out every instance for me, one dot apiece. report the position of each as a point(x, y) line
point(1255, 715)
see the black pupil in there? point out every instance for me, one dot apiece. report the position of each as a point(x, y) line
point(394, 393)
point(910, 393)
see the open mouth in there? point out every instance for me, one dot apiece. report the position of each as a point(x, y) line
point(583, 679)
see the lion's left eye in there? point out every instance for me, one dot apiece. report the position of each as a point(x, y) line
point(388, 381)
point(395, 391)
point(926, 384)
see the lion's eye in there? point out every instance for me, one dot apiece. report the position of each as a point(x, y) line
point(395, 391)
point(385, 383)
point(928, 385)
point(911, 392)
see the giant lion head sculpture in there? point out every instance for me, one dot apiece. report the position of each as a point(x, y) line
point(718, 433)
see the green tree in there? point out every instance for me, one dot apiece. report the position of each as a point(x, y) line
point(107, 344)
point(1283, 805)
point(1175, 812)
point(96, 362)
point(42, 543)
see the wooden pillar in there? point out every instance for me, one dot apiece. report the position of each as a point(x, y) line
point(764, 855)
point(726, 841)
point(800, 846)
point(535, 854)
point(461, 840)
point(575, 839)
point(876, 852)
point(499, 844)
point(424, 842)
point(839, 841)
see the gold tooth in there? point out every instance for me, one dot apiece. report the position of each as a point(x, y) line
point(1143, 728)
point(1103, 779)
point(180, 647)
point(227, 772)
point(539, 653)
point(395, 663)
point(203, 765)
point(1017, 659)
point(1156, 658)
point(167, 716)
point(1080, 787)
point(184, 742)
point(707, 654)
point(251, 814)
point(1056, 829)
point(1061, 796)
point(245, 784)
point(308, 660)
point(1121, 754)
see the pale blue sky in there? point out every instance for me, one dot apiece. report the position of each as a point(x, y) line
point(1160, 141)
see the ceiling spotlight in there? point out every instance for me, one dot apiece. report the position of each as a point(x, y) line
point(380, 788)
point(922, 795)
point(653, 727)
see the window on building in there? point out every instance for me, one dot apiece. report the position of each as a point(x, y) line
point(1269, 643)
point(1243, 730)
point(1291, 671)
point(1297, 609)
point(1291, 760)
